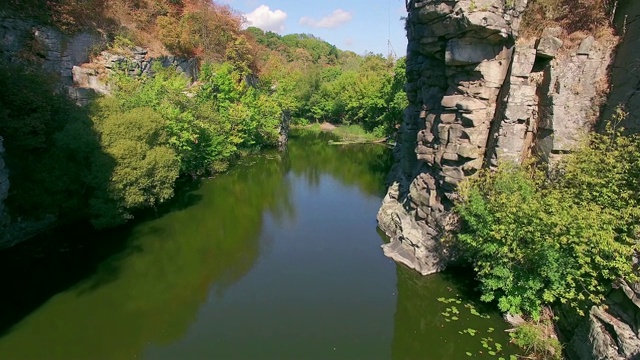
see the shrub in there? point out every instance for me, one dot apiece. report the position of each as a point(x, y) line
point(535, 242)
point(536, 340)
point(49, 144)
point(144, 168)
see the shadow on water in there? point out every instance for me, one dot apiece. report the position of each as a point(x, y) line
point(148, 281)
point(36, 270)
point(51, 146)
point(63, 258)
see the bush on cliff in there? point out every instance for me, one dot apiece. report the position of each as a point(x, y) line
point(136, 169)
point(535, 241)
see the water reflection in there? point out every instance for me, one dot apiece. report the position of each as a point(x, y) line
point(150, 292)
point(362, 165)
point(277, 259)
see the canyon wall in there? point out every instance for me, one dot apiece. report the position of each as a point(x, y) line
point(479, 95)
point(625, 72)
point(458, 57)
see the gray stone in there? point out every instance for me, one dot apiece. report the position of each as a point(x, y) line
point(467, 51)
point(585, 45)
point(523, 60)
point(548, 47)
point(450, 102)
point(493, 72)
point(469, 151)
point(625, 72)
point(469, 105)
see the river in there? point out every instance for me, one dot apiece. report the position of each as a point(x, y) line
point(277, 259)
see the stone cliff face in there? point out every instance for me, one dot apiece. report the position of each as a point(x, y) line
point(57, 53)
point(625, 73)
point(478, 95)
point(458, 58)
point(88, 78)
point(67, 56)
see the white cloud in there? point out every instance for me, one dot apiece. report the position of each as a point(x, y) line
point(266, 19)
point(337, 18)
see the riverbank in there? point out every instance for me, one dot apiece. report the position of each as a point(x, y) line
point(347, 134)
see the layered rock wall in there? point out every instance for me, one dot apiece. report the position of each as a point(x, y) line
point(67, 56)
point(26, 41)
point(89, 78)
point(458, 57)
point(478, 96)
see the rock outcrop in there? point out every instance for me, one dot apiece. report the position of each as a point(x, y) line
point(458, 57)
point(606, 332)
point(24, 40)
point(88, 78)
point(479, 96)
point(67, 56)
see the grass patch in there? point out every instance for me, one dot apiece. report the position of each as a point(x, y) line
point(590, 16)
point(356, 133)
point(347, 133)
point(538, 340)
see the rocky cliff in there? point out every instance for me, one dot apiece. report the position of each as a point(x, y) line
point(625, 73)
point(458, 58)
point(479, 95)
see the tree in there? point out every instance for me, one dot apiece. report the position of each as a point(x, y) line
point(144, 167)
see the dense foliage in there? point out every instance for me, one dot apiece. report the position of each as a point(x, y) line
point(535, 240)
point(327, 84)
point(125, 151)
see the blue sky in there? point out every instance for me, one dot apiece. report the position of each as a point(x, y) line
point(356, 25)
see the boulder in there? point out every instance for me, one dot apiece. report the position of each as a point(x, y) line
point(548, 47)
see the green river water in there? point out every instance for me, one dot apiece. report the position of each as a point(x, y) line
point(277, 259)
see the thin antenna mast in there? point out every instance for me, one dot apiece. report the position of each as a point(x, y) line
point(390, 50)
